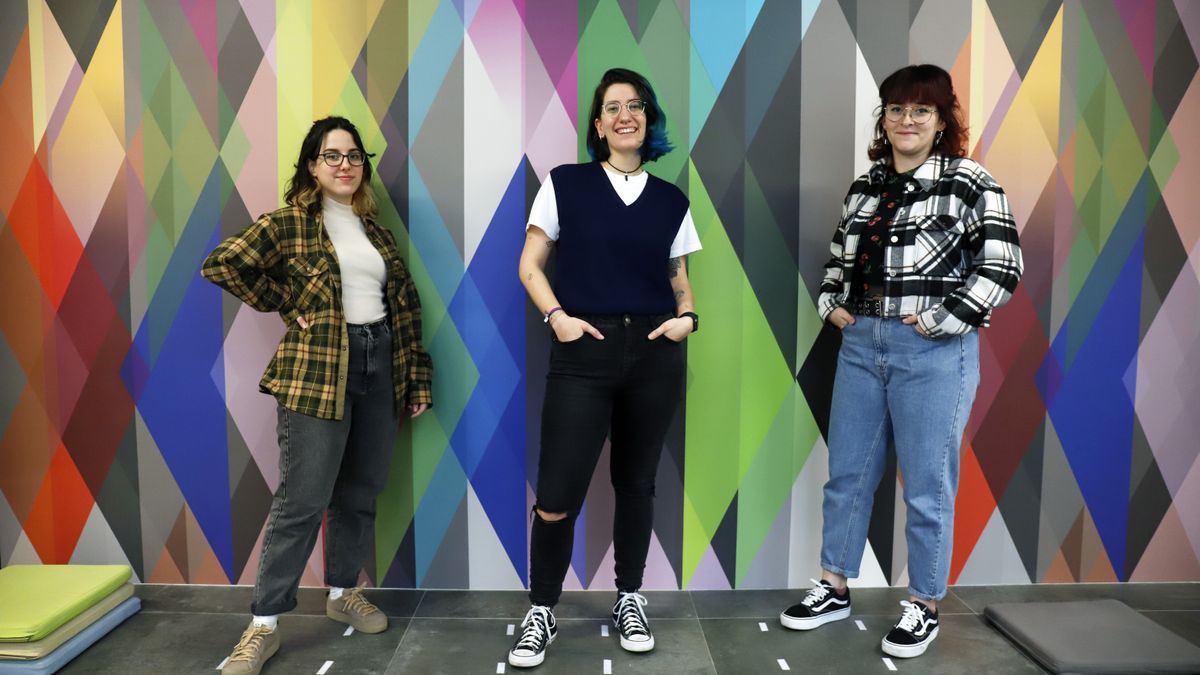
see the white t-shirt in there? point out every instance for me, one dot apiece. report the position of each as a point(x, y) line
point(363, 270)
point(544, 212)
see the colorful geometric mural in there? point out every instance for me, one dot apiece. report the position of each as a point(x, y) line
point(138, 133)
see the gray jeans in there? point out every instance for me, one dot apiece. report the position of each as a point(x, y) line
point(339, 466)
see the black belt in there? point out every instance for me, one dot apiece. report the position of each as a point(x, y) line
point(866, 306)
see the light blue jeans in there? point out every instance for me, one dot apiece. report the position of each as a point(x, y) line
point(894, 385)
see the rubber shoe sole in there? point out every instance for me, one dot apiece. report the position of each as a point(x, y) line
point(530, 661)
point(907, 651)
point(356, 623)
point(637, 646)
point(795, 623)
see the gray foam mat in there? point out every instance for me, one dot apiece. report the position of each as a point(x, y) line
point(1093, 636)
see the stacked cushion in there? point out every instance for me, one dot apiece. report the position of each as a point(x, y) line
point(51, 613)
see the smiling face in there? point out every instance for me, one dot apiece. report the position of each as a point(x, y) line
point(624, 132)
point(911, 142)
point(340, 182)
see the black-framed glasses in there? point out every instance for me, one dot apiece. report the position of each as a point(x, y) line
point(635, 107)
point(920, 114)
point(334, 158)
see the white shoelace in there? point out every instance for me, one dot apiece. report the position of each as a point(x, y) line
point(913, 616)
point(818, 593)
point(536, 628)
point(629, 614)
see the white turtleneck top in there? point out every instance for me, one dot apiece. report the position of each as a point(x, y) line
point(363, 271)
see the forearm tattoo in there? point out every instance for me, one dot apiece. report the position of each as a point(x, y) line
point(673, 267)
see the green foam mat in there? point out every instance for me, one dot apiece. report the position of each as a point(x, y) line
point(37, 599)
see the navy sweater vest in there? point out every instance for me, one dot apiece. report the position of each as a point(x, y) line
point(612, 258)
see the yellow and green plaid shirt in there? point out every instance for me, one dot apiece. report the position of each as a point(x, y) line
point(285, 263)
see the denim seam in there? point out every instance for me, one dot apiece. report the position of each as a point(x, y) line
point(945, 465)
point(284, 465)
point(858, 494)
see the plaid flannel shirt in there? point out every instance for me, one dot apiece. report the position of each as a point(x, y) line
point(952, 254)
point(285, 263)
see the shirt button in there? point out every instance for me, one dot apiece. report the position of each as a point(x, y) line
point(891, 306)
point(895, 239)
point(908, 188)
point(891, 273)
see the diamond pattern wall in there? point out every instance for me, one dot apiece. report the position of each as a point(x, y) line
point(139, 133)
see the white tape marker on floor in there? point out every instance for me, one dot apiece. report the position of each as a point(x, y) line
point(510, 629)
point(762, 626)
point(783, 664)
point(500, 667)
point(325, 668)
point(859, 623)
point(349, 631)
point(222, 663)
point(603, 630)
point(888, 662)
point(607, 666)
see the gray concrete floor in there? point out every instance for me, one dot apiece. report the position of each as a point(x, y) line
point(191, 629)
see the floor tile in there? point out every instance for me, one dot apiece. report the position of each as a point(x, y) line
point(963, 645)
point(461, 646)
point(572, 605)
point(769, 603)
point(236, 599)
point(158, 643)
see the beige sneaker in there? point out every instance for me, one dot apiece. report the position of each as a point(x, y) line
point(353, 608)
point(258, 644)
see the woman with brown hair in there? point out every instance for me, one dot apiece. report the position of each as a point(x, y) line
point(349, 366)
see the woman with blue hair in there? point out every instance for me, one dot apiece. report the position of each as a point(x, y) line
point(618, 312)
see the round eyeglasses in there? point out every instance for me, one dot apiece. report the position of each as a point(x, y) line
point(920, 114)
point(635, 107)
point(334, 158)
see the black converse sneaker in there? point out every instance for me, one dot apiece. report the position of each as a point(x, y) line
point(819, 607)
point(631, 623)
point(537, 632)
point(918, 627)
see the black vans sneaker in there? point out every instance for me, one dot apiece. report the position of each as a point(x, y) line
point(822, 605)
point(918, 626)
point(631, 623)
point(537, 632)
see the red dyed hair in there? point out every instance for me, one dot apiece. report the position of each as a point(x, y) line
point(928, 84)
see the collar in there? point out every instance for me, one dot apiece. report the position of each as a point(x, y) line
point(927, 175)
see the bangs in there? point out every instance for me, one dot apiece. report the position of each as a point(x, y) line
point(913, 90)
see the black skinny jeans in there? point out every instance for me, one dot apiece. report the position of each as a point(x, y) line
point(625, 387)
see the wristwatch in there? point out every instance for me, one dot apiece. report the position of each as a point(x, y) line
point(695, 320)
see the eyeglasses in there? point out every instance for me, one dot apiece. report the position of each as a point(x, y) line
point(635, 107)
point(920, 113)
point(334, 158)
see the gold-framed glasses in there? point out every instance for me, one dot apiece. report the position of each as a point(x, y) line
point(334, 158)
point(920, 114)
point(635, 107)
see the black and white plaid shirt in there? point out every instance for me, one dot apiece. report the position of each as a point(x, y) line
point(952, 252)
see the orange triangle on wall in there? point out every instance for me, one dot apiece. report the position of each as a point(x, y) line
point(166, 571)
point(973, 508)
point(60, 510)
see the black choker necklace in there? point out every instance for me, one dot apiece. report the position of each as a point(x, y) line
point(610, 164)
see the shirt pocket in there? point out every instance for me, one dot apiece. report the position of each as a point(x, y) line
point(312, 283)
point(937, 246)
